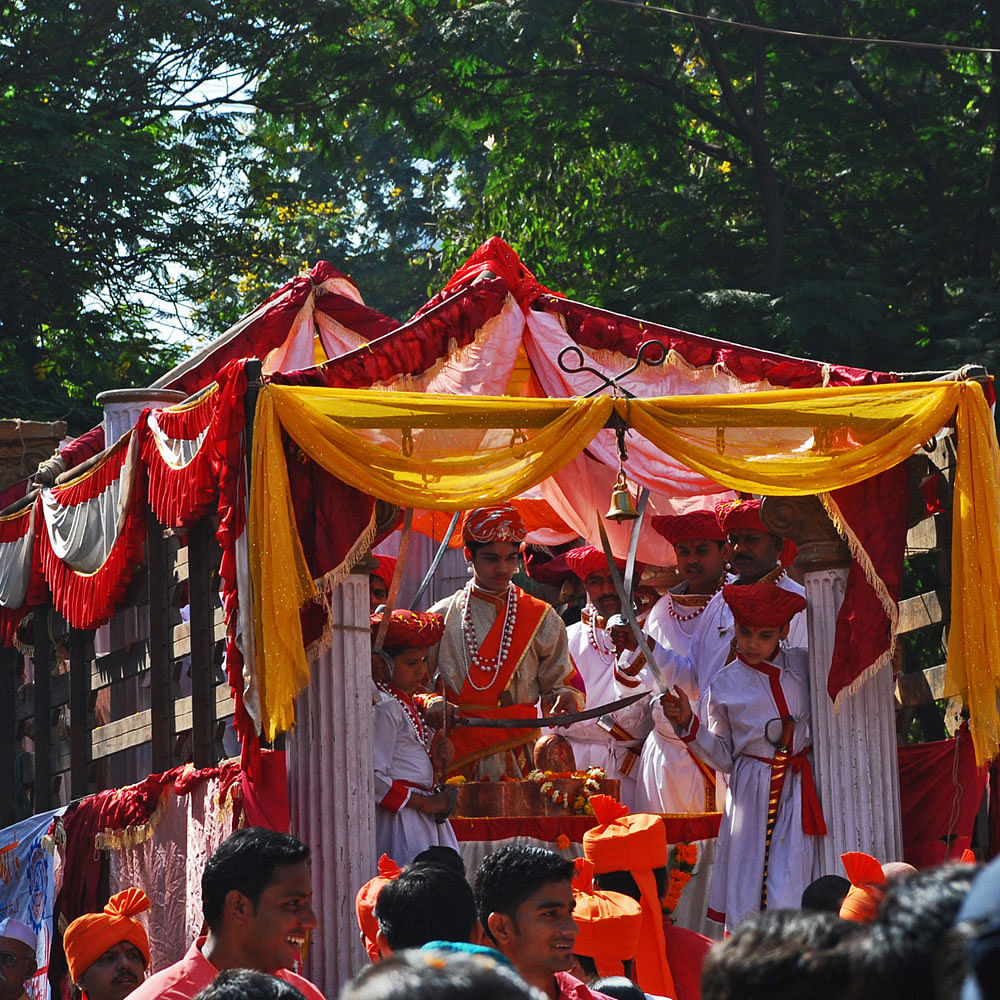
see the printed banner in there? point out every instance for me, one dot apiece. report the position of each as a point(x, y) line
point(27, 887)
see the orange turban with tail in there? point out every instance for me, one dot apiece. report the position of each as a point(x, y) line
point(636, 844)
point(609, 924)
point(90, 936)
point(364, 903)
point(867, 887)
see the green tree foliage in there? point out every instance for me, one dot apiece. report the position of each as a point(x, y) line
point(122, 166)
point(817, 197)
point(820, 197)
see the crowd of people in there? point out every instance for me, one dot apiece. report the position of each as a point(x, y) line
point(721, 721)
point(532, 924)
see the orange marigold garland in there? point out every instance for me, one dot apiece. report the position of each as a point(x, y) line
point(680, 866)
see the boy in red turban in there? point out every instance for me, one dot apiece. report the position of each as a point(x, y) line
point(756, 727)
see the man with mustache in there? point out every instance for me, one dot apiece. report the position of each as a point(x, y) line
point(754, 558)
point(108, 952)
point(597, 743)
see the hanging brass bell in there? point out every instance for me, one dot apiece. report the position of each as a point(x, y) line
point(622, 508)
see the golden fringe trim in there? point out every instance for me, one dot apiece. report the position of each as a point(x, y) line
point(130, 836)
point(878, 585)
point(333, 579)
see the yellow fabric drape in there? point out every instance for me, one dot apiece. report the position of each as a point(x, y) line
point(782, 442)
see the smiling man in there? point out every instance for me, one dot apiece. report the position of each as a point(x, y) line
point(256, 899)
point(108, 952)
point(525, 900)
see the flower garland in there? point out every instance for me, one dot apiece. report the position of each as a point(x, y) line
point(681, 865)
point(580, 804)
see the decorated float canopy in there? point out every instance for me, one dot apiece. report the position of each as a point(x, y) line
point(467, 404)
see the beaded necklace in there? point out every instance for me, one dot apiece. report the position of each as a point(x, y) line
point(414, 718)
point(602, 644)
point(488, 665)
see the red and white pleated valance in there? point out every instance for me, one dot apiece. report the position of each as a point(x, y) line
point(177, 445)
point(91, 538)
point(21, 584)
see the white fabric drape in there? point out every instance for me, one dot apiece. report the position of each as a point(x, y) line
point(83, 535)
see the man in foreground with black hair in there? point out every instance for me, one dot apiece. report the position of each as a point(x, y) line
point(525, 900)
point(256, 899)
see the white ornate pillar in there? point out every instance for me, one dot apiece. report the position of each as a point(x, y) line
point(123, 407)
point(854, 748)
point(331, 786)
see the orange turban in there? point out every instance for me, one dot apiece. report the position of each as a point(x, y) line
point(364, 903)
point(410, 628)
point(609, 924)
point(867, 887)
point(762, 605)
point(90, 936)
point(500, 523)
point(636, 844)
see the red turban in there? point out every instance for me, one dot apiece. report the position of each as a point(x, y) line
point(410, 628)
point(740, 515)
point(90, 936)
point(637, 844)
point(364, 903)
point(609, 924)
point(501, 523)
point(683, 527)
point(762, 605)
point(867, 887)
point(386, 567)
point(588, 559)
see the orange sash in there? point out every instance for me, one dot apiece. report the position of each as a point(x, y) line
point(473, 744)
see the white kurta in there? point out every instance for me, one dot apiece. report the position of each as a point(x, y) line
point(711, 644)
point(400, 756)
point(594, 746)
point(668, 779)
point(731, 732)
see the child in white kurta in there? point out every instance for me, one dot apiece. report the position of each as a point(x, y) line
point(411, 813)
point(755, 724)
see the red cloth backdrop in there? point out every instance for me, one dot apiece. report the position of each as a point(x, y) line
point(261, 801)
point(940, 789)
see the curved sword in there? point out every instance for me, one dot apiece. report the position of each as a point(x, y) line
point(551, 721)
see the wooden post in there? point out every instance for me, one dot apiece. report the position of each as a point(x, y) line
point(79, 713)
point(161, 693)
point(202, 556)
point(42, 799)
point(8, 750)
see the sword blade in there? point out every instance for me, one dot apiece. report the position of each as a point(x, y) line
point(628, 611)
point(551, 721)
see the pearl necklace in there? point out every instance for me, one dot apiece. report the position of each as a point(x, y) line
point(414, 718)
point(491, 666)
point(603, 647)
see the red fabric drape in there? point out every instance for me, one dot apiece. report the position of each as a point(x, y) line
point(413, 347)
point(876, 510)
point(680, 829)
point(940, 789)
point(179, 496)
point(87, 600)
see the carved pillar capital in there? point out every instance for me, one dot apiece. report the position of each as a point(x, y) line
point(805, 521)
